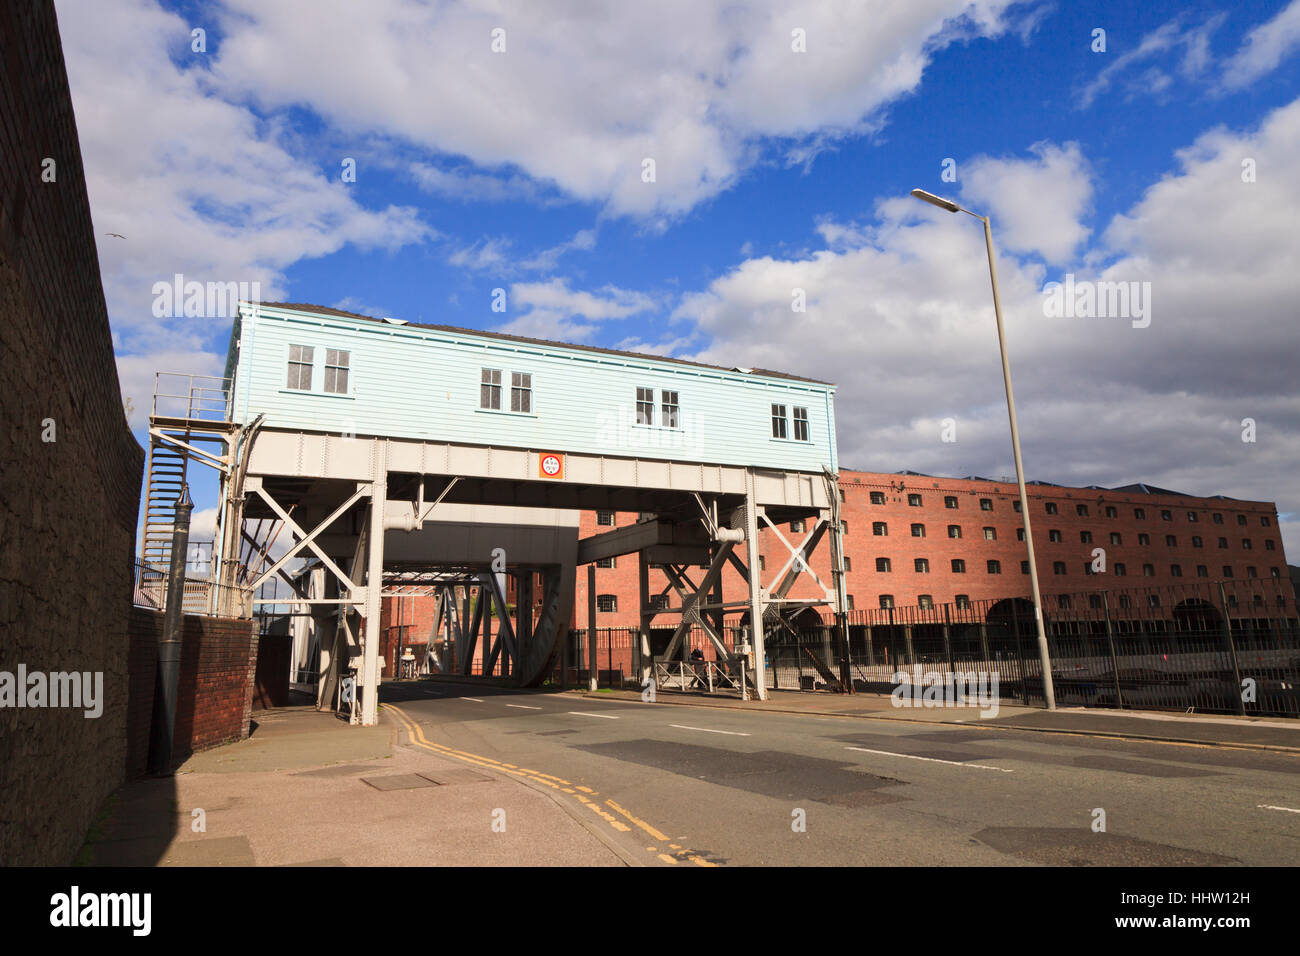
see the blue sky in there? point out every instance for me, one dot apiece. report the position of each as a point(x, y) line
point(775, 170)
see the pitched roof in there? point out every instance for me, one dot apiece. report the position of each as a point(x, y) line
point(325, 310)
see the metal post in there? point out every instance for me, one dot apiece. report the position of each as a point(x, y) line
point(1110, 640)
point(1232, 649)
point(169, 648)
point(374, 587)
point(1049, 691)
point(757, 603)
point(592, 662)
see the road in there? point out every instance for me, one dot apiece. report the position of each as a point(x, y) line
point(672, 785)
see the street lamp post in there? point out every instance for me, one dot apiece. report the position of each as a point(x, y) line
point(1049, 691)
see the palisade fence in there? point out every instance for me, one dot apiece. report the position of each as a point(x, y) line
point(1228, 647)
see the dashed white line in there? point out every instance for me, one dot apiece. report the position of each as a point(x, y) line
point(953, 763)
point(1266, 806)
point(474, 699)
point(523, 706)
point(708, 730)
point(579, 713)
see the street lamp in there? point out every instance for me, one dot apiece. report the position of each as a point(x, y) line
point(1049, 691)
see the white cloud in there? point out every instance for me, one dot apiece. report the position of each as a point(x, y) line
point(1037, 205)
point(1264, 48)
point(693, 84)
point(1165, 39)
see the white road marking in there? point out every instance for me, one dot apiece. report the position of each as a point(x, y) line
point(579, 713)
point(474, 699)
point(954, 763)
point(707, 730)
point(523, 706)
point(1265, 806)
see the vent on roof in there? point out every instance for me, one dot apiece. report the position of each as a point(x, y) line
point(745, 370)
point(394, 321)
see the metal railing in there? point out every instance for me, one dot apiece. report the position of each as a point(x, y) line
point(185, 395)
point(199, 595)
point(697, 674)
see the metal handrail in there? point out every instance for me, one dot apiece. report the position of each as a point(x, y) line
point(203, 397)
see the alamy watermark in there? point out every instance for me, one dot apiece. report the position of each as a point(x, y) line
point(79, 690)
point(956, 689)
point(183, 298)
point(1098, 300)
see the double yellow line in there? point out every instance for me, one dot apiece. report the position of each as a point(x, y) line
point(580, 793)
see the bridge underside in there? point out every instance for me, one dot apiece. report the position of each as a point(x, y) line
point(473, 525)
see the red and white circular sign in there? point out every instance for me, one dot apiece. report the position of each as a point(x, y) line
point(552, 466)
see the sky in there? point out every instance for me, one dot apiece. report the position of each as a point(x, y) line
point(680, 177)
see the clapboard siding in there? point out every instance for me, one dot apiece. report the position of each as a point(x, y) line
point(421, 383)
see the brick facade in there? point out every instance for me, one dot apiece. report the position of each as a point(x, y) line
point(68, 507)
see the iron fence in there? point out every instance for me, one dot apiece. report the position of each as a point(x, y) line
point(199, 595)
point(1207, 646)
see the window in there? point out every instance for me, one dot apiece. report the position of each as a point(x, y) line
point(1241, 519)
point(1144, 539)
point(844, 527)
point(796, 526)
point(1218, 517)
point(1171, 540)
point(879, 529)
point(954, 531)
point(914, 501)
point(801, 425)
point(877, 497)
point(1140, 514)
point(605, 518)
point(958, 566)
point(336, 371)
point(1251, 572)
point(995, 567)
point(1087, 568)
point(1116, 538)
point(1270, 545)
point(922, 565)
point(607, 603)
point(962, 601)
point(300, 359)
point(925, 601)
point(1119, 569)
point(1111, 511)
point(605, 563)
point(659, 602)
point(950, 501)
point(521, 392)
point(778, 421)
point(671, 410)
point(1015, 506)
point(762, 562)
point(1264, 521)
point(1051, 507)
point(1202, 571)
point(1245, 544)
point(1081, 510)
point(849, 599)
point(1054, 534)
point(1153, 600)
point(1275, 572)
point(841, 494)
point(1094, 600)
point(1148, 570)
point(1223, 542)
point(1058, 567)
point(918, 531)
point(1063, 600)
point(489, 392)
point(1176, 570)
point(1125, 601)
point(986, 504)
point(882, 565)
point(1024, 567)
point(886, 600)
point(1193, 516)
point(1166, 516)
point(1085, 537)
point(1197, 542)
point(990, 534)
point(645, 406)
point(848, 564)
point(1020, 534)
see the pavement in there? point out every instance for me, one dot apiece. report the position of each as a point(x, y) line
point(307, 789)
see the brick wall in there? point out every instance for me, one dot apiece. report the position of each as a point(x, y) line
point(215, 694)
point(68, 507)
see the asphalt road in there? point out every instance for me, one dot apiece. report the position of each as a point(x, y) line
point(671, 785)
